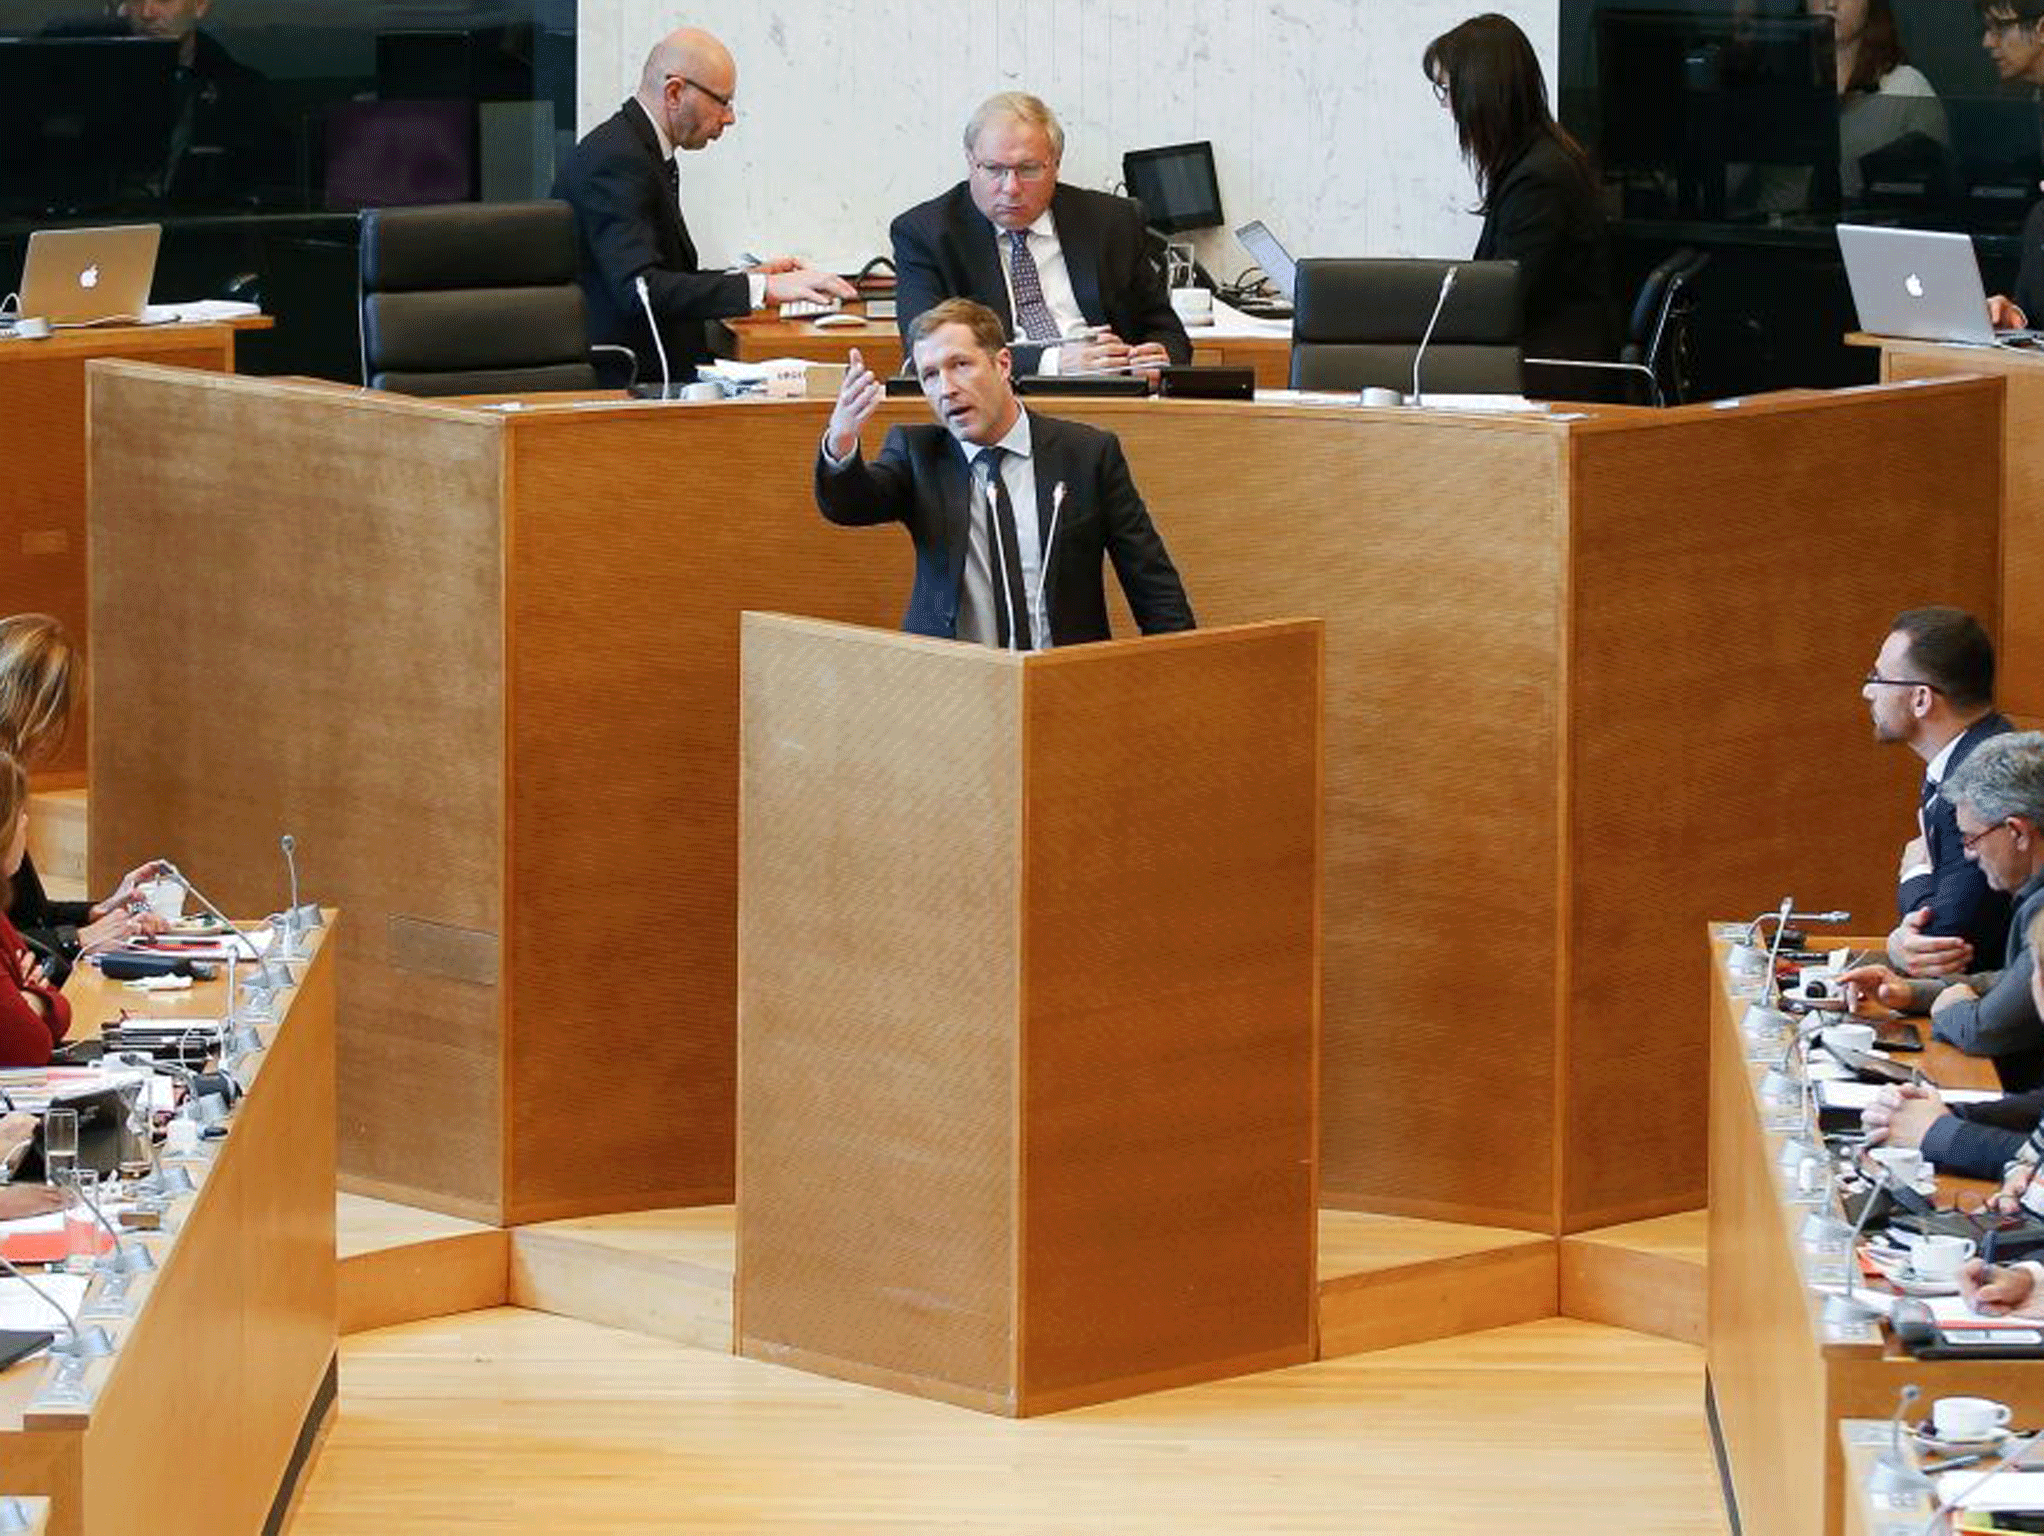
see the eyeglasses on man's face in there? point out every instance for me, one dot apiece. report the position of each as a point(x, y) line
point(1026, 171)
point(1875, 680)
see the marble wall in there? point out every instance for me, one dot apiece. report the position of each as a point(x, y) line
point(850, 110)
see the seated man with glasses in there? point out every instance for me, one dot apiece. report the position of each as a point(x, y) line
point(1932, 689)
point(1068, 271)
point(1997, 796)
point(637, 260)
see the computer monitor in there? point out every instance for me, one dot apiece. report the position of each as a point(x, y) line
point(1176, 186)
point(85, 121)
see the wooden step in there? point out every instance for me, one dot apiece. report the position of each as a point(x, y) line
point(1648, 1276)
point(399, 1264)
point(56, 841)
point(1384, 1280)
point(1390, 1280)
point(665, 1273)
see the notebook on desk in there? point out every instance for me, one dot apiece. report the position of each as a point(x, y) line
point(1922, 284)
point(89, 276)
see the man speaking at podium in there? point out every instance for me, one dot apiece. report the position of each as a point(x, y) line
point(1011, 512)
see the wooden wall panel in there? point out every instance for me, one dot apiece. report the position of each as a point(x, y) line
point(2021, 634)
point(877, 1029)
point(297, 594)
point(1734, 573)
point(1432, 547)
point(1169, 1020)
point(639, 538)
point(42, 496)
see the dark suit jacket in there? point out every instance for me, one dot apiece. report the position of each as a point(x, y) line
point(2029, 289)
point(922, 479)
point(49, 928)
point(629, 225)
point(1955, 890)
point(945, 249)
point(1543, 214)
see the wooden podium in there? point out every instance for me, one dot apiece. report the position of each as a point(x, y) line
point(1028, 1010)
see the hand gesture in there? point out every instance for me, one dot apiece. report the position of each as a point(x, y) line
point(857, 399)
point(2014, 1183)
point(1101, 352)
point(117, 928)
point(2003, 315)
point(125, 891)
point(1900, 1115)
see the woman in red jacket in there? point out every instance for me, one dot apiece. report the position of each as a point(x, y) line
point(33, 1014)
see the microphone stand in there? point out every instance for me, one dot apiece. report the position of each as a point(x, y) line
point(1896, 1473)
point(79, 1346)
point(1426, 340)
point(299, 918)
point(1846, 1310)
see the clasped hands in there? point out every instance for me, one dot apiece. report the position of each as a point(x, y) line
point(1101, 351)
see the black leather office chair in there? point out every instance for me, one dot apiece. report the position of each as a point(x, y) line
point(1656, 365)
point(477, 298)
point(1357, 324)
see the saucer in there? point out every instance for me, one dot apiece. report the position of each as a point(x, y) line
point(1994, 1440)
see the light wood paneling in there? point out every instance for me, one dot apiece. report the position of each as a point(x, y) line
point(42, 499)
point(1485, 642)
point(317, 575)
point(401, 1263)
point(1026, 1085)
point(1648, 1275)
point(1393, 1280)
point(663, 1273)
point(2020, 636)
point(1719, 754)
point(510, 1421)
point(56, 839)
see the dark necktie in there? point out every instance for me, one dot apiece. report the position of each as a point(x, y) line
point(1011, 595)
point(1031, 312)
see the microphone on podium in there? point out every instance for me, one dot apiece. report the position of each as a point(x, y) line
point(1426, 340)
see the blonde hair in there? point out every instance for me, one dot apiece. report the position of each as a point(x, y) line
point(13, 794)
point(37, 661)
point(1024, 108)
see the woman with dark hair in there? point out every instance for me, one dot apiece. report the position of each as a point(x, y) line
point(1539, 195)
point(1883, 99)
point(33, 1014)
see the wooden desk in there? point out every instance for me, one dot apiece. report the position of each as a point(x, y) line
point(42, 496)
point(1779, 1379)
point(765, 335)
point(487, 668)
point(2019, 680)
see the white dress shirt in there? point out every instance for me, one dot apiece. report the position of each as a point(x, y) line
point(1056, 278)
point(981, 589)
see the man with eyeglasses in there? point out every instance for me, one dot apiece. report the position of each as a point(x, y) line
point(636, 253)
point(1067, 270)
point(2012, 32)
point(1997, 796)
point(1932, 689)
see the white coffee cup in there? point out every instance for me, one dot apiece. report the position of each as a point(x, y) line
point(1904, 1164)
point(1195, 306)
point(1968, 1418)
point(1850, 1037)
point(1940, 1257)
point(166, 898)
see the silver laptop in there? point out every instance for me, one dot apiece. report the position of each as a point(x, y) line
point(1270, 254)
point(1918, 283)
point(89, 276)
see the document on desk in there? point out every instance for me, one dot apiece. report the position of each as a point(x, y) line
point(22, 1309)
point(2008, 1491)
point(1858, 1095)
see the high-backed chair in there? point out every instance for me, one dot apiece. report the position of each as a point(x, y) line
point(1357, 324)
point(475, 298)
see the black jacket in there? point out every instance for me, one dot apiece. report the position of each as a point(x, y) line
point(50, 928)
point(1957, 893)
point(945, 249)
point(1542, 212)
point(630, 226)
point(922, 480)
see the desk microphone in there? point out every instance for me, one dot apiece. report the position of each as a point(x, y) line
point(659, 346)
point(299, 916)
point(269, 975)
point(1001, 555)
point(1441, 303)
point(84, 1343)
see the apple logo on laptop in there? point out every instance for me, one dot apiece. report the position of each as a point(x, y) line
point(89, 278)
point(1914, 284)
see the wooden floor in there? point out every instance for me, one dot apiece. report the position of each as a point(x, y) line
point(509, 1420)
